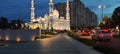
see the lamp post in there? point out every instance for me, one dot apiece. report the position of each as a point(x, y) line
point(101, 7)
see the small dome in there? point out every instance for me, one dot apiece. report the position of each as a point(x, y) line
point(55, 13)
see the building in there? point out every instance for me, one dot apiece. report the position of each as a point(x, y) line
point(80, 16)
point(51, 20)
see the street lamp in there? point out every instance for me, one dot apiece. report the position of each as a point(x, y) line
point(101, 7)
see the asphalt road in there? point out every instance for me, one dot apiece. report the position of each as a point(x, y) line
point(60, 44)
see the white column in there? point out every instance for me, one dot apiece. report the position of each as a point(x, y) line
point(32, 10)
point(67, 10)
point(67, 15)
point(51, 7)
point(51, 1)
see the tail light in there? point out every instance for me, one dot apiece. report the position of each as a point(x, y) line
point(89, 32)
point(111, 34)
point(101, 34)
point(105, 30)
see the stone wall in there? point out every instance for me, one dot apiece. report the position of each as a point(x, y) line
point(19, 35)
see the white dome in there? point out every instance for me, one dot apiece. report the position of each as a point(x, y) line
point(55, 13)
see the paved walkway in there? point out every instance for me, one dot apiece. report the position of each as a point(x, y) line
point(61, 44)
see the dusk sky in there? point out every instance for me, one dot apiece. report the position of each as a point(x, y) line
point(20, 9)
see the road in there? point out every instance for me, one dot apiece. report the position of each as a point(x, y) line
point(60, 44)
point(114, 43)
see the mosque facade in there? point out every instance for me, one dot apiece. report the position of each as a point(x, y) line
point(51, 20)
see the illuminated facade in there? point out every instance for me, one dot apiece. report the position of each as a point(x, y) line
point(51, 20)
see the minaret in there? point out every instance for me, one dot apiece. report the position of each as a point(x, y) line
point(68, 15)
point(67, 10)
point(51, 7)
point(32, 11)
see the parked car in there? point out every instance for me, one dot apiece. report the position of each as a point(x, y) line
point(116, 33)
point(86, 32)
point(102, 35)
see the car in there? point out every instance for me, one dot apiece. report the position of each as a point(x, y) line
point(102, 35)
point(116, 33)
point(86, 32)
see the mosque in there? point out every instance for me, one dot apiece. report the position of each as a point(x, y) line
point(51, 20)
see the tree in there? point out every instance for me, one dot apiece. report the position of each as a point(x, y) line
point(104, 21)
point(109, 23)
point(16, 24)
point(116, 17)
point(3, 23)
